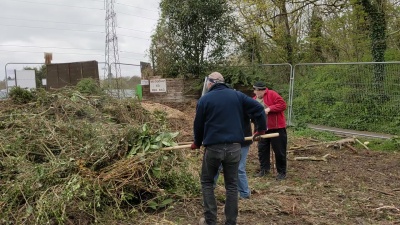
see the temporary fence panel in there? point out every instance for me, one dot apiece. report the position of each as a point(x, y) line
point(10, 75)
point(122, 84)
point(358, 96)
point(277, 77)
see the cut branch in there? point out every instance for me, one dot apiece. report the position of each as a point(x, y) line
point(351, 148)
point(312, 158)
point(340, 143)
point(359, 142)
point(383, 192)
point(388, 207)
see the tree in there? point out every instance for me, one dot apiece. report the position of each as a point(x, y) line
point(314, 46)
point(375, 10)
point(276, 24)
point(189, 35)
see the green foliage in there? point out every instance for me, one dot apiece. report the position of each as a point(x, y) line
point(391, 145)
point(181, 182)
point(145, 140)
point(314, 134)
point(190, 35)
point(316, 37)
point(242, 78)
point(159, 203)
point(252, 49)
point(343, 96)
point(121, 82)
point(21, 96)
point(67, 160)
point(89, 86)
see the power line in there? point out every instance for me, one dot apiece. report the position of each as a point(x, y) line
point(100, 32)
point(133, 29)
point(135, 16)
point(64, 53)
point(82, 8)
point(97, 25)
point(50, 21)
point(50, 28)
point(52, 4)
point(86, 49)
point(135, 7)
point(132, 52)
point(117, 3)
point(134, 37)
point(102, 1)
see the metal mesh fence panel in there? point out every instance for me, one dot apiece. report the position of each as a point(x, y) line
point(122, 85)
point(276, 76)
point(358, 96)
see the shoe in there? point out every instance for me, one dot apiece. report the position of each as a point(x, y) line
point(262, 173)
point(244, 198)
point(202, 221)
point(281, 176)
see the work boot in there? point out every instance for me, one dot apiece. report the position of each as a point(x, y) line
point(262, 173)
point(281, 176)
point(202, 221)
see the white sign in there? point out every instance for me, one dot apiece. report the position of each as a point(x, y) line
point(158, 85)
point(26, 79)
point(144, 82)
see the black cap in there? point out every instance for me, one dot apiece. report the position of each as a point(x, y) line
point(259, 85)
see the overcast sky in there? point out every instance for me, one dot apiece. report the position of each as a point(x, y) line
point(73, 30)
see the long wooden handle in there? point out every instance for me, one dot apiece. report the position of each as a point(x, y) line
point(271, 135)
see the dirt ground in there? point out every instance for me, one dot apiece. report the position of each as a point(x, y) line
point(351, 187)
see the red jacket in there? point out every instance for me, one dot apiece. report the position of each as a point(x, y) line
point(277, 106)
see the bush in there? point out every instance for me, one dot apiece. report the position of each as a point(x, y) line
point(89, 86)
point(21, 96)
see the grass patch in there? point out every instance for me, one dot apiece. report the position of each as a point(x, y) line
point(387, 145)
point(304, 132)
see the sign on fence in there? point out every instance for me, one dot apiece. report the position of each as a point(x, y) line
point(158, 85)
point(144, 82)
point(23, 78)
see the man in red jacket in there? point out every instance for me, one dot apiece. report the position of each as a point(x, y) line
point(274, 107)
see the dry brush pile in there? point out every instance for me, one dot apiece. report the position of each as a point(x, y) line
point(69, 156)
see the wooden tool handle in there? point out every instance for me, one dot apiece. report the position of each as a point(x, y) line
point(271, 135)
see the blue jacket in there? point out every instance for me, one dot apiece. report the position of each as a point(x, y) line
point(220, 116)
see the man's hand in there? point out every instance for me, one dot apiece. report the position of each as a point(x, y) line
point(194, 146)
point(267, 110)
point(256, 136)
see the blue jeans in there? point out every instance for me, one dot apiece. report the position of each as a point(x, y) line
point(243, 185)
point(229, 156)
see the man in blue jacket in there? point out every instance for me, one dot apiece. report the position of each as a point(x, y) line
point(218, 125)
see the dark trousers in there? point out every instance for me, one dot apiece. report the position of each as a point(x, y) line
point(229, 156)
point(279, 146)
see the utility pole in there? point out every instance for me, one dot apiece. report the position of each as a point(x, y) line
point(111, 48)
